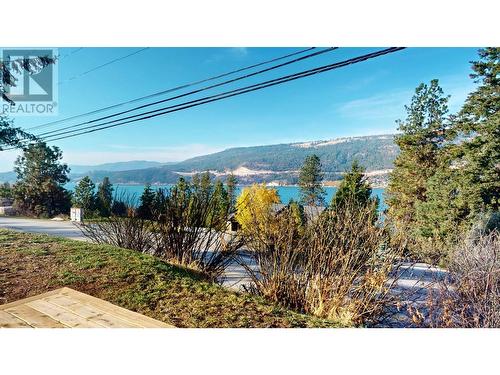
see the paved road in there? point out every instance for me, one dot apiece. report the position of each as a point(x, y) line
point(53, 227)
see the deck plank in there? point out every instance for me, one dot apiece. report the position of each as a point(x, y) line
point(62, 315)
point(31, 298)
point(91, 312)
point(34, 317)
point(68, 308)
point(132, 316)
point(10, 321)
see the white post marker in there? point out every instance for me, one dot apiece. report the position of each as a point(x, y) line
point(77, 214)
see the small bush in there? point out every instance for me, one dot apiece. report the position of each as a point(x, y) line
point(123, 228)
point(191, 231)
point(186, 227)
point(470, 298)
point(338, 269)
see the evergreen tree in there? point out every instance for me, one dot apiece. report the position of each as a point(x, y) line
point(219, 203)
point(85, 196)
point(467, 184)
point(182, 186)
point(206, 185)
point(105, 197)
point(181, 191)
point(202, 188)
point(41, 176)
point(202, 184)
point(296, 210)
point(5, 190)
point(354, 189)
point(11, 136)
point(441, 216)
point(422, 135)
point(231, 183)
point(310, 178)
point(146, 203)
point(195, 182)
point(479, 121)
point(119, 208)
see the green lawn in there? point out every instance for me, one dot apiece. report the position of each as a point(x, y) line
point(32, 264)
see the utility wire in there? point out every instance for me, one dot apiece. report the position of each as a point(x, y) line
point(76, 50)
point(190, 92)
point(103, 65)
point(224, 95)
point(171, 89)
point(227, 94)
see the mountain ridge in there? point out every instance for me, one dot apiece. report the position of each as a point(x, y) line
point(275, 164)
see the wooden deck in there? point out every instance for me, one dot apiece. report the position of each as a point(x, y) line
point(68, 308)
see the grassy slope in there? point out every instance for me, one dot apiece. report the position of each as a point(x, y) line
point(32, 264)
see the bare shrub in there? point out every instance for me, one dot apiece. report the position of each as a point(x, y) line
point(188, 228)
point(338, 269)
point(470, 298)
point(350, 266)
point(191, 231)
point(277, 262)
point(128, 231)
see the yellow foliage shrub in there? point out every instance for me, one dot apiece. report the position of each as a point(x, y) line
point(254, 206)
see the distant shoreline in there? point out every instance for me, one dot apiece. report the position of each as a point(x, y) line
point(329, 184)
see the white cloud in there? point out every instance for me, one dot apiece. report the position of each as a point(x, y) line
point(381, 106)
point(390, 105)
point(233, 52)
point(240, 50)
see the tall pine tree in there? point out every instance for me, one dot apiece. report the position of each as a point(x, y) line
point(231, 183)
point(85, 196)
point(146, 203)
point(466, 187)
point(479, 120)
point(310, 182)
point(422, 135)
point(105, 197)
point(41, 176)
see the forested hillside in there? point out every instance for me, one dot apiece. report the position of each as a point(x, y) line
point(272, 163)
point(373, 152)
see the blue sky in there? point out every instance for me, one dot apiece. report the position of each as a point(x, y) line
point(363, 99)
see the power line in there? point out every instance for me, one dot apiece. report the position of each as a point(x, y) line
point(76, 50)
point(190, 92)
point(171, 89)
point(103, 65)
point(224, 95)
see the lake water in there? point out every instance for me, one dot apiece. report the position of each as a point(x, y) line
point(285, 192)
